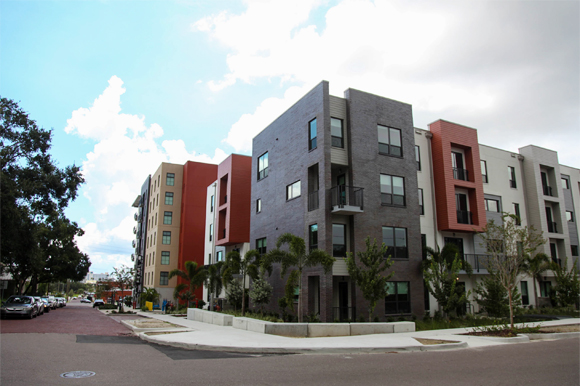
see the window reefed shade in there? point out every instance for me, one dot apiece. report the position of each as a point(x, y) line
point(167, 218)
point(164, 278)
point(312, 134)
point(164, 257)
point(168, 198)
point(170, 181)
point(390, 141)
point(166, 237)
point(263, 166)
point(337, 132)
point(293, 190)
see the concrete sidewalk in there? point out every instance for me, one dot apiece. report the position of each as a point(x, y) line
point(203, 336)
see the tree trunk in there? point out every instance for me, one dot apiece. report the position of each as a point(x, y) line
point(535, 292)
point(511, 308)
point(300, 297)
point(244, 294)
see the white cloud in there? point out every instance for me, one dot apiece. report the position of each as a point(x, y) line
point(125, 153)
point(502, 67)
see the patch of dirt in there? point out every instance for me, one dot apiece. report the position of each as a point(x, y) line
point(556, 329)
point(498, 334)
point(508, 333)
point(428, 342)
point(152, 324)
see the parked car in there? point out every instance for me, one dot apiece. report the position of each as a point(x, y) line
point(61, 302)
point(98, 303)
point(85, 301)
point(20, 305)
point(40, 304)
point(51, 302)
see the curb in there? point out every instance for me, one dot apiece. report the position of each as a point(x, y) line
point(516, 339)
point(138, 330)
point(554, 336)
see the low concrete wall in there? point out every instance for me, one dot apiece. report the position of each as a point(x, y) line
point(209, 317)
point(371, 328)
point(294, 330)
point(328, 329)
point(403, 327)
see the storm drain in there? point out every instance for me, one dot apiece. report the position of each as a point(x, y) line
point(77, 374)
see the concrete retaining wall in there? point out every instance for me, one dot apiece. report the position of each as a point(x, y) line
point(209, 317)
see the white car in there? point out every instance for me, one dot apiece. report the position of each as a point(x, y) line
point(85, 301)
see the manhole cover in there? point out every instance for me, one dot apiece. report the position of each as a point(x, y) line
point(77, 374)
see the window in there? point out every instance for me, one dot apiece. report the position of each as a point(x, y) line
point(312, 134)
point(398, 299)
point(168, 198)
point(163, 278)
point(170, 180)
point(484, 171)
point(421, 202)
point(210, 232)
point(423, 247)
point(261, 245)
point(219, 256)
point(166, 238)
point(258, 205)
point(390, 141)
point(512, 176)
point(336, 132)
point(164, 257)
point(545, 289)
point(459, 173)
point(574, 249)
point(167, 218)
point(525, 295)
point(491, 205)
point(338, 240)
point(517, 213)
point(392, 190)
point(211, 203)
point(263, 166)
point(569, 216)
point(396, 241)
point(418, 157)
point(293, 190)
point(313, 232)
point(565, 183)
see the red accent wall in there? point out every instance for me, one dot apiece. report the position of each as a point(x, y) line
point(196, 178)
point(234, 180)
point(447, 135)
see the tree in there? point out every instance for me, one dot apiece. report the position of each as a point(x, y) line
point(508, 246)
point(261, 292)
point(234, 293)
point(440, 272)
point(296, 256)
point(149, 295)
point(534, 267)
point(123, 277)
point(369, 276)
point(34, 194)
point(193, 274)
point(567, 287)
point(493, 297)
point(235, 265)
point(214, 281)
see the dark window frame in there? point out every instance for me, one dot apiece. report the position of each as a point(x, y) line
point(395, 251)
point(163, 278)
point(486, 203)
point(517, 213)
point(387, 148)
point(418, 157)
point(263, 172)
point(259, 205)
point(290, 190)
point(261, 245)
point(421, 202)
point(339, 250)
point(312, 237)
point(570, 216)
point(512, 177)
point(166, 237)
point(167, 216)
point(400, 306)
point(312, 140)
point(165, 257)
point(483, 165)
point(337, 141)
point(392, 196)
point(170, 177)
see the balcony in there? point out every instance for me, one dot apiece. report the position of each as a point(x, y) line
point(460, 174)
point(547, 190)
point(464, 217)
point(347, 200)
point(478, 262)
point(313, 201)
point(552, 227)
point(134, 243)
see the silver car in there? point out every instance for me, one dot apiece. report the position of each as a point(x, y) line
point(20, 305)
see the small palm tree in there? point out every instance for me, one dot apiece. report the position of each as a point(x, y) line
point(214, 281)
point(236, 265)
point(534, 267)
point(296, 256)
point(193, 274)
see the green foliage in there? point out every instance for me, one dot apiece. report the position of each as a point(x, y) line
point(234, 293)
point(369, 275)
point(534, 267)
point(149, 295)
point(214, 280)
point(123, 278)
point(440, 272)
point(249, 314)
point(567, 289)
point(108, 307)
point(194, 275)
point(296, 256)
point(246, 266)
point(493, 297)
point(261, 292)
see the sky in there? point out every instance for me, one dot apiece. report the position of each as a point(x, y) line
point(126, 85)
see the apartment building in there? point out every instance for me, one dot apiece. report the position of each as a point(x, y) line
point(174, 215)
point(336, 171)
point(141, 203)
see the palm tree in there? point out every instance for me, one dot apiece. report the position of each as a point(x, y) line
point(194, 275)
point(296, 256)
point(214, 281)
point(534, 267)
point(235, 265)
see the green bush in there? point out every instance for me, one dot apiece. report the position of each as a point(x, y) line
point(108, 307)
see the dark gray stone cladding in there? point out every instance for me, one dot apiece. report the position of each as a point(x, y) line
point(286, 141)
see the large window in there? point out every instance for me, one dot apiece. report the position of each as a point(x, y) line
point(418, 157)
point(170, 180)
point(261, 245)
point(168, 198)
point(421, 206)
point(166, 237)
point(398, 299)
point(312, 134)
point(484, 172)
point(392, 190)
point(164, 278)
point(167, 218)
point(293, 190)
point(313, 236)
point(337, 133)
point(338, 240)
point(390, 141)
point(164, 257)
point(396, 241)
point(512, 176)
point(263, 166)
point(491, 205)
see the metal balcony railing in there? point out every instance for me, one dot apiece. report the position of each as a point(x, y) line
point(478, 262)
point(547, 190)
point(552, 227)
point(343, 195)
point(464, 217)
point(344, 314)
point(313, 201)
point(460, 174)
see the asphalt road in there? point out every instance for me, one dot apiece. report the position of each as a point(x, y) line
point(32, 358)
